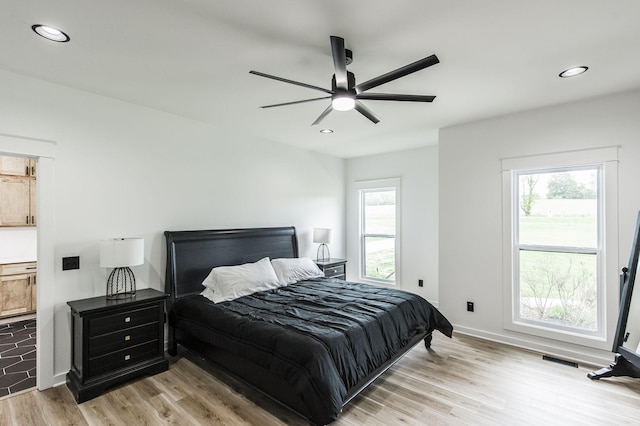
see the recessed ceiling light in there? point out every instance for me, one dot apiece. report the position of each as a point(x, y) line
point(326, 131)
point(50, 33)
point(572, 72)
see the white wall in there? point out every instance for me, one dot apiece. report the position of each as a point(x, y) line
point(126, 170)
point(18, 244)
point(470, 203)
point(418, 169)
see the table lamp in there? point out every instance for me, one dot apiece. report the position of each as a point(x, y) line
point(322, 236)
point(120, 253)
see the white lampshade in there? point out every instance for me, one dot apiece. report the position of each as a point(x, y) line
point(121, 252)
point(322, 235)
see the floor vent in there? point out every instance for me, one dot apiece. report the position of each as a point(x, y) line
point(560, 361)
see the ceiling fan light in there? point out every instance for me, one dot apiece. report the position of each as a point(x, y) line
point(343, 103)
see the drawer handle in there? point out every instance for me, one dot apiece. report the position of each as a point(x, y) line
point(127, 319)
point(127, 338)
point(127, 357)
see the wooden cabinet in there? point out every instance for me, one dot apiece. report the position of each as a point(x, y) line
point(333, 268)
point(17, 166)
point(17, 288)
point(15, 201)
point(32, 202)
point(114, 340)
point(17, 191)
point(34, 293)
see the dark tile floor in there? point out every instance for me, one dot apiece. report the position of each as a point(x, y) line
point(17, 356)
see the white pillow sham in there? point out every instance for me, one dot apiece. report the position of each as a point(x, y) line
point(290, 270)
point(208, 293)
point(231, 282)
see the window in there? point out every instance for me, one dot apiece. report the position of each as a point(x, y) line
point(560, 254)
point(379, 213)
point(557, 250)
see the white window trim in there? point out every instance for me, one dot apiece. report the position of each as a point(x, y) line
point(608, 157)
point(395, 183)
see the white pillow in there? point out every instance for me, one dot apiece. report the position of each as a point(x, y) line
point(290, 271)
point(208, 293)
point(231, 282)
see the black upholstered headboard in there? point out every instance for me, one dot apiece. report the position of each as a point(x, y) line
point(192, 254)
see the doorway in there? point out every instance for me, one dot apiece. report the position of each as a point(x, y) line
point(18, 273)
point(43, 151)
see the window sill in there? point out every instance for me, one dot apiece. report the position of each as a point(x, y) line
point(376, 282)
point(591, 341)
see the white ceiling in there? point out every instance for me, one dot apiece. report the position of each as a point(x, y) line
point(192, 58)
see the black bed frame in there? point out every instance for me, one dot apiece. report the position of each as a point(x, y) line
point(190, 257)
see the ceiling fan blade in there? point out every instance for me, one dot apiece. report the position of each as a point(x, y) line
point(339, 62)
point(323, 115)
point(297, 83)
point(395, 74)
point(295, 102)
point(395, 97)
point(366, 112)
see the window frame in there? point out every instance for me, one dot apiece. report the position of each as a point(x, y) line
point(607, 157)
point(362, 188)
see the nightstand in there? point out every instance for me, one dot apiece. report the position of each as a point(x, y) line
point(115, 340)
point(333, 268)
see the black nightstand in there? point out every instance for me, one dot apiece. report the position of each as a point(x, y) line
point(115, 340)
point(333, 268)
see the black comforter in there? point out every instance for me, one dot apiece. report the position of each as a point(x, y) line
point(321, 336)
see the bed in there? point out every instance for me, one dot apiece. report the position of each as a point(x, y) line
point(311, 345)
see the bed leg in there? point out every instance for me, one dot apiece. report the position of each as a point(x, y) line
point(172, 346)
point(427, 341)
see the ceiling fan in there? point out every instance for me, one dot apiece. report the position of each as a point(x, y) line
point(346, 95)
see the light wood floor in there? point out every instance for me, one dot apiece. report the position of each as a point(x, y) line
point(459, 381)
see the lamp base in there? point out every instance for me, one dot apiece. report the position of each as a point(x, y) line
point(121, 284)
point(323, 254)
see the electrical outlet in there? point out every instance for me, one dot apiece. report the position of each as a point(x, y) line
point(420, 283)
point(69, 263)
point(470, 306)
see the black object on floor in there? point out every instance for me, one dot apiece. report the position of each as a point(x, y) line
point(560, 361)
point(17, 356)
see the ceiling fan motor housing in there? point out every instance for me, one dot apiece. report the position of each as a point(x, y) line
point(348, 56)
point(351, 82)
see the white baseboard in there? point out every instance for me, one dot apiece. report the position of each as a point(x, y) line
point(59, 379)
point(592, 357)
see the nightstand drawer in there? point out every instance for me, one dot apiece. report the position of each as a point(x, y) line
point(334, 271)
point(333, 268)
point(122, 339)
point(122, 358)
point(122, 320)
